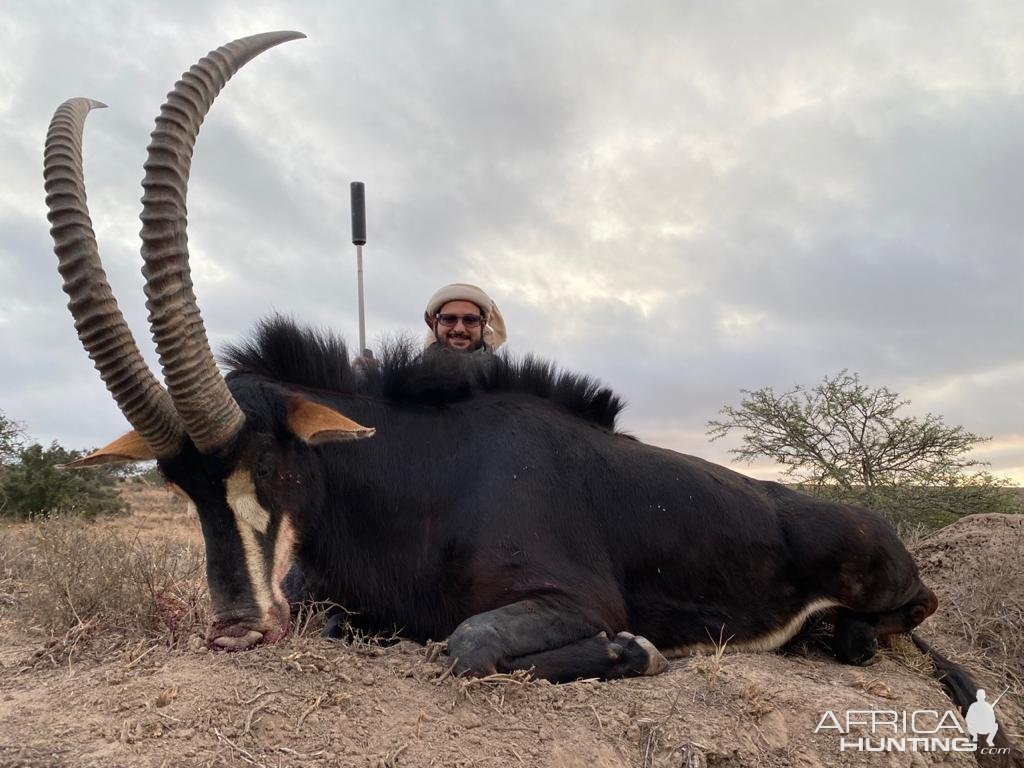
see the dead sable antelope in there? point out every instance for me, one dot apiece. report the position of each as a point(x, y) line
point(495, 505)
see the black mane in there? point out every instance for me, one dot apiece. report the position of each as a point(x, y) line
point(281, 350)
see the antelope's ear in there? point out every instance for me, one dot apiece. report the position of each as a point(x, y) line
point(317, 424)
point(128, 448)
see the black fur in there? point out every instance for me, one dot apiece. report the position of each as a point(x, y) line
point(484, 486)
point(497, 505)
point(282, 351)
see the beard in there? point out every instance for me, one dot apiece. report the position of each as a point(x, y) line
point(446, 342)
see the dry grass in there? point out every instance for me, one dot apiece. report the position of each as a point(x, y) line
point(991, 619)
point(986, 599)
point(311, 618)
point(913, 533)
point(902, 648)
point(710, 664)
point(77, 584)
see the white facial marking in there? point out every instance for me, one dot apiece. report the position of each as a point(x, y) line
point(250, 517)
point(241, 495)
point(283, 549)
point(768, 642)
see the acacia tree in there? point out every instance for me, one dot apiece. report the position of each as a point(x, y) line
point(844, 440)
point(12, 436)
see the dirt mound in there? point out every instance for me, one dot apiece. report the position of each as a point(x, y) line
point(976, 567)
point(311, 702)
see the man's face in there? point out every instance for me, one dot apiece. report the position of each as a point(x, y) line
point(451, 329)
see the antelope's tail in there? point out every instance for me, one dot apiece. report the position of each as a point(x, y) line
point(963, 690)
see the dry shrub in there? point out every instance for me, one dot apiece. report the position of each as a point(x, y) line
point(72, 579)
point(710, 664)
point(32, 485)
point(311, 616)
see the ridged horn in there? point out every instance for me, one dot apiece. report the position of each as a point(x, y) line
point(212, 417)
point(98, 319)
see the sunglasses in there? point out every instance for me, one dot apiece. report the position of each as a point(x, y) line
point(469, 321)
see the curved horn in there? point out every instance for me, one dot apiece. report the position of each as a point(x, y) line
point(98, 319)
point(211, 415)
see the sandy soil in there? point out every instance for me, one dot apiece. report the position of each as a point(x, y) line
point(311, 702)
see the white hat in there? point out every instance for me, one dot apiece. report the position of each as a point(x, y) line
point(494, 334)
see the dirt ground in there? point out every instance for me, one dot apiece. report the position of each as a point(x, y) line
point(311, 702)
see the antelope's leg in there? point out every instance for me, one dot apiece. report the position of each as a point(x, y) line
point(625, 655)
point(554, 642)
point(856, 637)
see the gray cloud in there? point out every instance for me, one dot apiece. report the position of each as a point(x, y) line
point(682, 200)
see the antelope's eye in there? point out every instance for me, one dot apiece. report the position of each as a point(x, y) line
point(265, 466)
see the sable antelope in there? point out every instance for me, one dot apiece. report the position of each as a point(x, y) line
point(496, 506)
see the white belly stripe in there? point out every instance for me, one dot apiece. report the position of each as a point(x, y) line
point(768, 642)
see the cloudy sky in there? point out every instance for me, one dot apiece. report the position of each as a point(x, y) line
point(684, 199)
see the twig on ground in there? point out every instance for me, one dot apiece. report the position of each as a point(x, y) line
point(672, 709)
point(308, 711)
point(252, 713)
point(519, 677)
point(254, 699)
point(300, 755)
point(419, 721)
point(444, 675)
point(141, 656)
point(243, 753)
point(650, 741)
point(391, 758)
point(433, 651)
